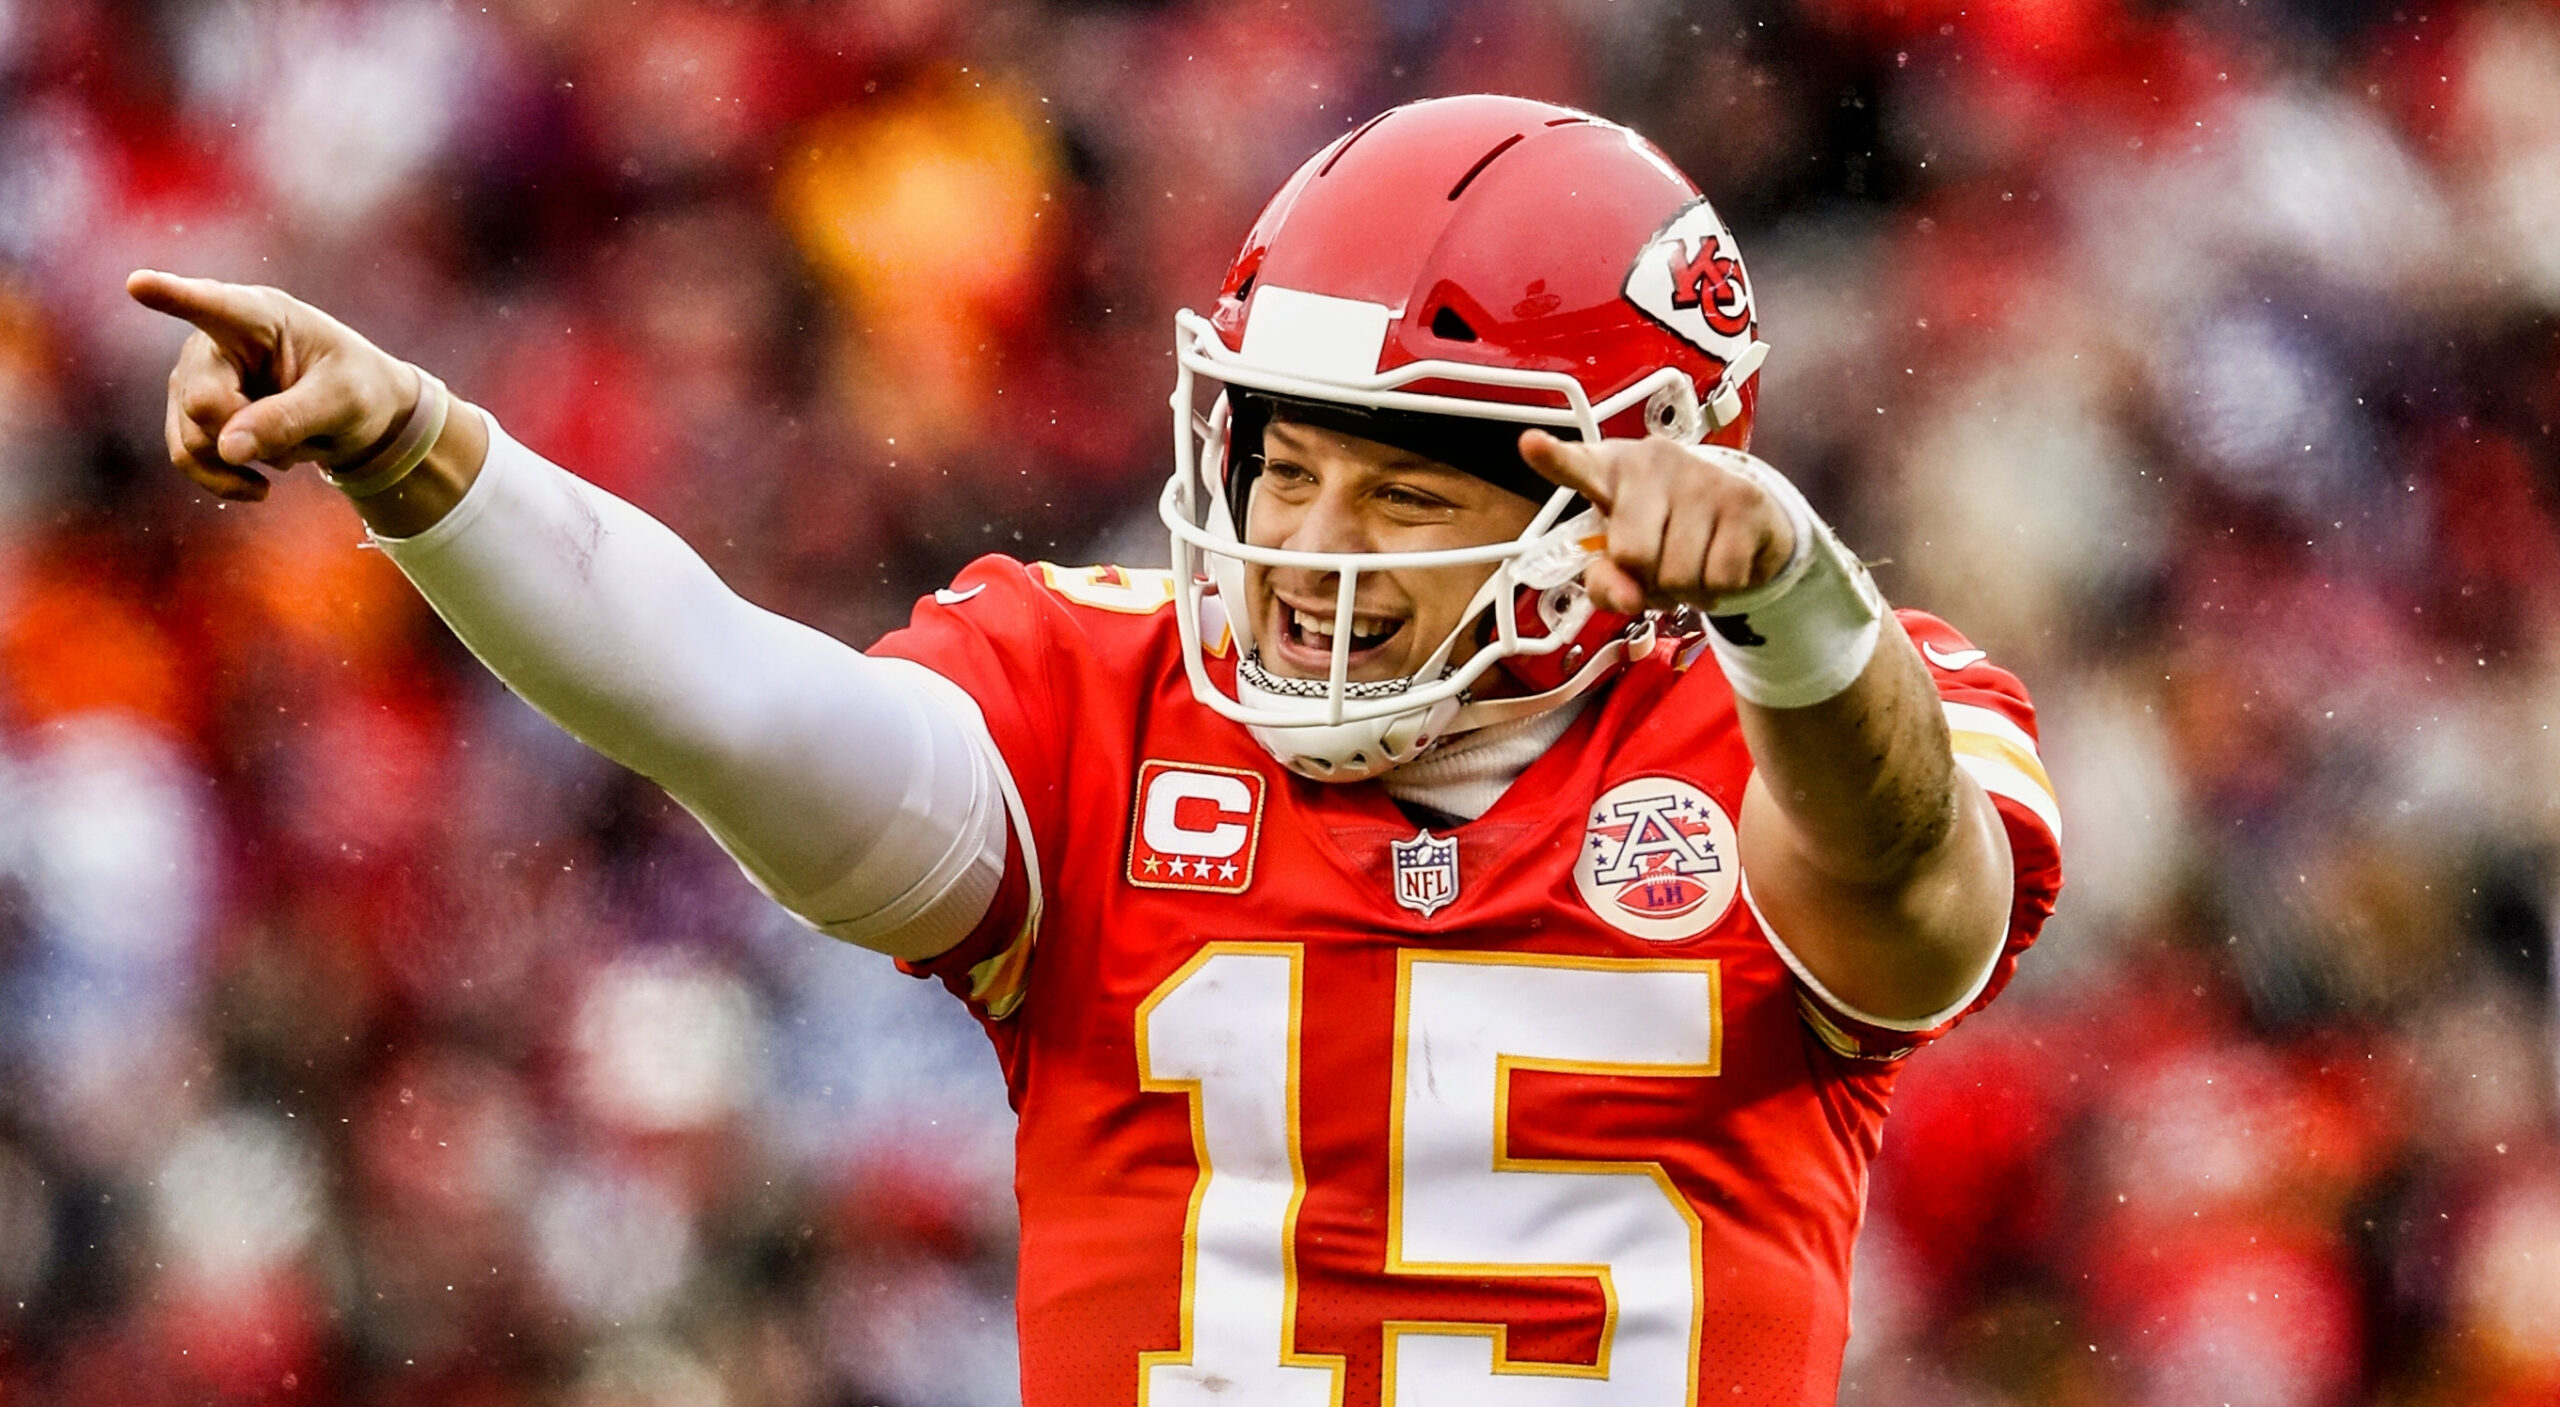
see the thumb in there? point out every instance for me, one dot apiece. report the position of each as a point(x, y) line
point(237, 318)
point(271, 429)
point(1577, 466)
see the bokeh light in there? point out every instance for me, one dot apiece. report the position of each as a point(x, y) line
point(363, 1039)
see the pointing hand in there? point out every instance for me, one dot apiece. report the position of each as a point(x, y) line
point(266, 381)
point(1685, 525)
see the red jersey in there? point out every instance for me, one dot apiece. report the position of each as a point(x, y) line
point(1322, 1109)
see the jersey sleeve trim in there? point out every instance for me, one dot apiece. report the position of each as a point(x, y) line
point(1826, 997)
point(997, 984)
point(1837, 1038)
point(2001, 756)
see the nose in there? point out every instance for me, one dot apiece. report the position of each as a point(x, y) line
point(1330, 522)
point(1327, 522)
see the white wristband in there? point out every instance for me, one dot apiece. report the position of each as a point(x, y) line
point(405, 453)
point(1807, 633)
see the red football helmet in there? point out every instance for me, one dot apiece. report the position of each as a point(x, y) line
point(1449, 272)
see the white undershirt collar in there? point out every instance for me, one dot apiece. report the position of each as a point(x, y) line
point(1464, 776)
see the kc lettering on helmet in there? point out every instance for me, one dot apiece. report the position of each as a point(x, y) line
point(1193, 826)
point(1710, 281)
point(1659, 859)
point(1690, 279)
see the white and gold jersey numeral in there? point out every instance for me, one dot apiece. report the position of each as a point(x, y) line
point(1131, 591)
point(1225, 1029)
point(1460, 1204)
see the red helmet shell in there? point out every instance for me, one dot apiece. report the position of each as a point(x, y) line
point(1511, 233)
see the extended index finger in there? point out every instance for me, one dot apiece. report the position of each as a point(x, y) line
point(234, 316)
point(1577, 466)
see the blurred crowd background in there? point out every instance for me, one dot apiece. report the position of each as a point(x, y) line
point(363, 1040)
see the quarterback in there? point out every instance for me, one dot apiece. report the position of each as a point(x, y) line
point(1449, 940)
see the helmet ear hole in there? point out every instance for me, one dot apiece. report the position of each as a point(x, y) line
point(1448, 326)
point(1673, 413)
point(1556, 607)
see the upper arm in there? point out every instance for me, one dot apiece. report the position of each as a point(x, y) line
point(1000, 637)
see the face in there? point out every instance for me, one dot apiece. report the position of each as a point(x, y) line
point(1323, 491)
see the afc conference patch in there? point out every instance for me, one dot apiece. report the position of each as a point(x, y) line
point(1659, 859)
point(1426, 872)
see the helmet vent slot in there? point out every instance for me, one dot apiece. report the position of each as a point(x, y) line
point(1449, 327)
point(1357, 134)
point(1484, 161)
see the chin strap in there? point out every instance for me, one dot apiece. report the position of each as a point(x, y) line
point(1635, 644)
point(1562, 551)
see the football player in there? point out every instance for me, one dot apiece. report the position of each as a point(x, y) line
point(1429, 965)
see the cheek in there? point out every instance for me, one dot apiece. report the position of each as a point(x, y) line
point(1267, 520)
point(1440, 602)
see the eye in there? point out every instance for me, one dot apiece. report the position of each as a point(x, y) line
point(1406, 496)
point(1279, 473)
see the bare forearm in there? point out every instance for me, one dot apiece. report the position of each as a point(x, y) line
point(1880, 865)
point(1876, 860)
point(1866, 779)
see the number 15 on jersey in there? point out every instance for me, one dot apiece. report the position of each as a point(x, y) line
point(1225, 1030)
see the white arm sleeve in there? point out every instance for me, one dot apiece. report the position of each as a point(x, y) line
point(862, 794)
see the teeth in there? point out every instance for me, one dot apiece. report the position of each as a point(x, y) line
point(1322, 626)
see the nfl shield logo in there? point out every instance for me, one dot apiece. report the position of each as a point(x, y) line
point(1426, 872)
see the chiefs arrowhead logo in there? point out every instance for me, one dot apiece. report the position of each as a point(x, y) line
point(1690, 279)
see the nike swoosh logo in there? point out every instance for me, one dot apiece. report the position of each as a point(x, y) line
point(1961, 659)
point(948, 597)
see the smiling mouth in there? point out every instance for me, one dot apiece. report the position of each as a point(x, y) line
point(1309, 631)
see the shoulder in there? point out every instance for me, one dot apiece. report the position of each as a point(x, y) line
point(1965, 672)
point(1991, 720)
point(1112, 590)
point(1045, 604)
point(1066, 638)
point(1090, 596)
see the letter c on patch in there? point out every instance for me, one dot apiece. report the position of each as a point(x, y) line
point(1163, 833)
